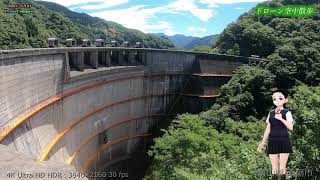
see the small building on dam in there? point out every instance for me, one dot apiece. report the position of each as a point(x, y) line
point(95, 109)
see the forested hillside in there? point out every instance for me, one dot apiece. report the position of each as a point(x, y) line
point(204, 41)
point(221, 143)
point(189, 42)
point(33, 29)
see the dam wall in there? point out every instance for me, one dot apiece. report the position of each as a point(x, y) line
point(88, 107)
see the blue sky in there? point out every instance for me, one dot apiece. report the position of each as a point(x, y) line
point(189, 17)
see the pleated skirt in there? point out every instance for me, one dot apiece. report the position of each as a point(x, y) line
point(278, 145)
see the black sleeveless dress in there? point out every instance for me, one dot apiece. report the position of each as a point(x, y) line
point(278, 141)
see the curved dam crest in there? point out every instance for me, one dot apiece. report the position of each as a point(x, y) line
point(94, 107)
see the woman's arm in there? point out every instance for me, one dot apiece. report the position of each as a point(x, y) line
point(265, 138)
point(266, 134)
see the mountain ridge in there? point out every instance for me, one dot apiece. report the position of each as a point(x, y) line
point(109, 27)
point(188, 42)
point(31, 30)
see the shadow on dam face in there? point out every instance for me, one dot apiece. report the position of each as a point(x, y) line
point(98, 109)
point(133, 166)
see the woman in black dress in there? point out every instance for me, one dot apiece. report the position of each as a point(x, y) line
point(279, 145)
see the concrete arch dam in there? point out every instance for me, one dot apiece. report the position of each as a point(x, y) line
point(93, 107)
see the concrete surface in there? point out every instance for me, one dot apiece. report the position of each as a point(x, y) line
point(51, 111)
point(15, 165)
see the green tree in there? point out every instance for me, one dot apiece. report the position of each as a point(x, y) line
point(191, 149)
point(248, 92)
point(53, 20)
point(305, 107)
point(291, 46)
point(205, 49)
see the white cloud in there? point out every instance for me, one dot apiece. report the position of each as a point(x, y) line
point(139, 16)
point(159, 25)
point(169, 32)
point(202, 14)
point(239, 8)
point(74, 2)
point(136, 17)
point(190, 6)
point(196, 29)
point(104, 4)
point(214, 3)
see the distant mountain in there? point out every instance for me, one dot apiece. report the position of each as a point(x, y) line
point(187, 42)
point(49, 19)
point(180, 41)
point(204, 41)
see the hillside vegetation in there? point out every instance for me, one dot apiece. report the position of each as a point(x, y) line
point(204, 41)
point(33, 29)
point(189, 42)
point(221, 143)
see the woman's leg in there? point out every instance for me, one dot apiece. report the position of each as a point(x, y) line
point(274, 163)
point(283, 162)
